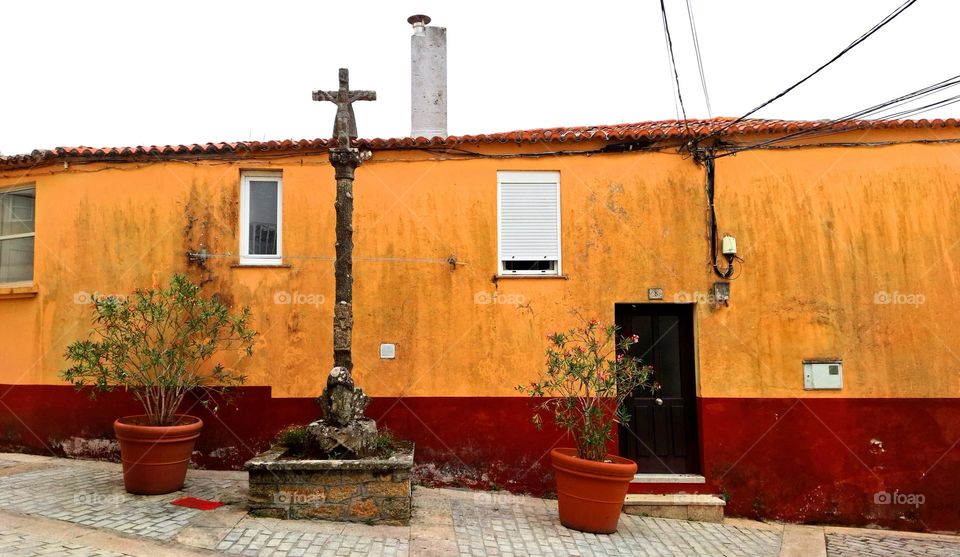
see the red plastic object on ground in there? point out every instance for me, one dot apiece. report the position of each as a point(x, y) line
point(194, 503)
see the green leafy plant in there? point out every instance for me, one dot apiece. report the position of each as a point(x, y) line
point(296, 439)
point(156, 344)
point(386, 441)
point(587, 378)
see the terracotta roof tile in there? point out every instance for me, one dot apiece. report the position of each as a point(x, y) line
point(642, 131)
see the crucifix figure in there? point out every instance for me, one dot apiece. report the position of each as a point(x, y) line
point(345, 124)
point(345, 159)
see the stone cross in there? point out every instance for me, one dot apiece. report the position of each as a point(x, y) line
point(345, 124)
point(345, 159)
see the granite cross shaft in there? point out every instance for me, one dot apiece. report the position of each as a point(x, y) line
point(345, 159)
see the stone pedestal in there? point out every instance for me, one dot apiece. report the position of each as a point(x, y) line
point(357, 439)
point(372, 490)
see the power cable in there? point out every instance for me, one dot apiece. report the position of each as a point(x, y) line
point(917, 110)
point(696, 49)
point(890, 17)
point(913, 95)
point(673, 61)
point(839, 124)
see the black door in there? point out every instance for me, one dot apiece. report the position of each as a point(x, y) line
point(662, 432)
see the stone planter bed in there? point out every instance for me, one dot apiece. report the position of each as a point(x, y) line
point(370, 490)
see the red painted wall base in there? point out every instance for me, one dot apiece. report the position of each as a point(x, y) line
point(889, 462)
point(480, 442)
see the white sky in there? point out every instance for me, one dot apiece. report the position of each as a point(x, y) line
point(130, 73)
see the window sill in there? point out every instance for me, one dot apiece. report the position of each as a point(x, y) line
point(540, 277)
point(11, 292)
point(254, 266)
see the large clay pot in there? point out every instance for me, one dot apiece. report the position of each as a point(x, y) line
point(590, 494)
point(155, 458)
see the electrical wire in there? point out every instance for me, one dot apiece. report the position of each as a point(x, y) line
point(890, 17)
point(857, 118)
point(696, 49)
point(856, 144)
point(924, 108)
point(129, 164)
point(673, 61)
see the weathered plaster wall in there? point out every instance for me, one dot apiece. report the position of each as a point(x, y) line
point(825, 234)
point(112, 230)
point(830, 238)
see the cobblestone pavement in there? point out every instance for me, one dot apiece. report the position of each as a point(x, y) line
point(17, 544)
point(886, 544)
point(94, 496)
point(253, 541)
point(513, 525)
point(47, 504)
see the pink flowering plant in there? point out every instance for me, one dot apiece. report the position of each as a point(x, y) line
point(586, 380)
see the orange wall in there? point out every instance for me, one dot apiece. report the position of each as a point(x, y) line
point(822, 231)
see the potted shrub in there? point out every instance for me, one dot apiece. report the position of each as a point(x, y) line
point(157, 344)
point(586, 380)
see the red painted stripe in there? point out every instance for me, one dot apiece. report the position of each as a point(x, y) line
point(824, 460)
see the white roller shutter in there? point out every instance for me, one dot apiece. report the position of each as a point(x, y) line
point(529, 219)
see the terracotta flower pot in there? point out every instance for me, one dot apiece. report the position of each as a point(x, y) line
point(155, 458)
point(590, 494)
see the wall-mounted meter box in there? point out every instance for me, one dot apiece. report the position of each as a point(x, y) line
point(822, 374)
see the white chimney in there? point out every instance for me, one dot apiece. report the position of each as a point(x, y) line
point(428, 83)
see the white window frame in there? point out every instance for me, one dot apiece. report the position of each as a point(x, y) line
point(25, 187)
point(528, 177)
point(247, 258)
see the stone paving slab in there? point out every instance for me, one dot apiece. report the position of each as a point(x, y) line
point(511, 525)
point(94, 496)
point(20, 544)
point(30, 534)
point(87, 501)
point(887, 544)
point(251, 541)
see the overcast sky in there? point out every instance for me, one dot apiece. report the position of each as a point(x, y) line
point(131, 73)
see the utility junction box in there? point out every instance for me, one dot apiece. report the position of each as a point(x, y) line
point(822, 374)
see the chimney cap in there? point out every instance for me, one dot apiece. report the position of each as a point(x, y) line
point(418, 20)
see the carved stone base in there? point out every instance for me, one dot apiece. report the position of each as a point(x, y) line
point(357, 439)
point(342, 402)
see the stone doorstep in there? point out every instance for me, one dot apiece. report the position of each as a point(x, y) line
point(683, 506)
point(668, 479)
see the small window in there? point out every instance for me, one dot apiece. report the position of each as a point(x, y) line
point(529, 223)
point(261, 218)
point(17, 225)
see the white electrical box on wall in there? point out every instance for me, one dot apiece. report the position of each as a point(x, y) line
point(822, 374)
point(728, 245)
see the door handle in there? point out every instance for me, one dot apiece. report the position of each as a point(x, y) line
point(659, 402)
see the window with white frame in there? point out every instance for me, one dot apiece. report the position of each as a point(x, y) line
point(17, 208)
point(528, 222)
point(261, 225)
